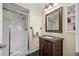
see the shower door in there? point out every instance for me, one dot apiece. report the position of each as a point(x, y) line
point(18, 34)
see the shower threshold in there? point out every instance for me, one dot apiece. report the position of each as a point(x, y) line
point(20, 53)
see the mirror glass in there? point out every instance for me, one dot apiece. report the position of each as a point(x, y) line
point(53, 22)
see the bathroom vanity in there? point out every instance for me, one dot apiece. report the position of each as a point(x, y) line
point(50, 46)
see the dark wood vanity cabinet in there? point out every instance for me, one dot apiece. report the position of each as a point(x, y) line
point(50, 47)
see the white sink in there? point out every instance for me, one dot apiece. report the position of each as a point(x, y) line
point(48, 37)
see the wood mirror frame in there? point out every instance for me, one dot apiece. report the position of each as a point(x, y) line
point(59, 22)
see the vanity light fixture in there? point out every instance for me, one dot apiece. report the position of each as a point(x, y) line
point(46, 8)
point(49, 6)
point(55, 4)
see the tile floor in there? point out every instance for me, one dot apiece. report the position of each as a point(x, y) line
point(36, 53)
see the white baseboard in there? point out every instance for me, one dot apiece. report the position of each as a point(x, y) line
point(21, 53)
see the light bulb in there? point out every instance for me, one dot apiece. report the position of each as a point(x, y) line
point(46, 10)
point(49, 7)
point(55, 4)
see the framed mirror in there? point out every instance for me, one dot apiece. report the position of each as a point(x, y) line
point(53, 21)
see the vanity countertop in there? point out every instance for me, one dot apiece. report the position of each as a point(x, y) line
point(51, 38)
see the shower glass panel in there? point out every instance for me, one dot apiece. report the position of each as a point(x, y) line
point(18, 40)
point(18, 33)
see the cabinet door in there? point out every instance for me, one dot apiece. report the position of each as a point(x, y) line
point(47, 48)
point(58, 48)
point(53, 49)
point(41, 46)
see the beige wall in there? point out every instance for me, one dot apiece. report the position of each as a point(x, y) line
point(69, 37)
point(0, 23)
point(77, 31)
point(0, 27)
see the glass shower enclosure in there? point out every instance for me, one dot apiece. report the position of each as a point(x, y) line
point(15, 32)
